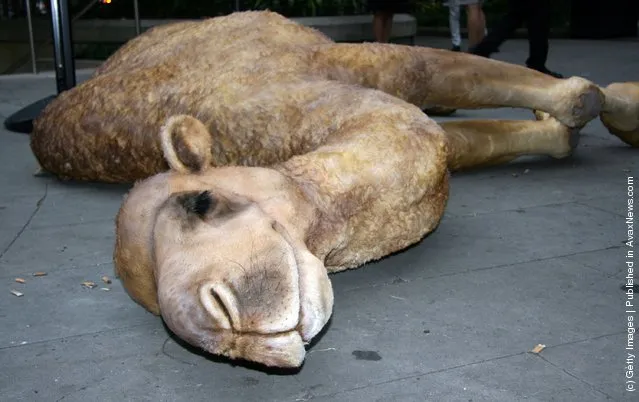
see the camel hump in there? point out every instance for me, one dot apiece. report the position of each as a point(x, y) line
point(186, 144)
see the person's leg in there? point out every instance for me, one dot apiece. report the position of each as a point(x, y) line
point(501, 31)
point(538, 24)
point(482, 16)
point(382, 25)
point(476, 24)
point(453, 22)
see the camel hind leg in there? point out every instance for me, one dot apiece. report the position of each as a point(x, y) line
point(479, 143)
point(434, 77)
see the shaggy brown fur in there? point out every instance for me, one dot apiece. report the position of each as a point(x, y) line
point(290, 157)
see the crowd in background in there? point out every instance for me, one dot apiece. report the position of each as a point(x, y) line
point(534, 14)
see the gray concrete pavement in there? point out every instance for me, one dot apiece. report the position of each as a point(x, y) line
point(529, 253)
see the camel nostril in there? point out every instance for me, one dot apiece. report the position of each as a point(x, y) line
point(222, 306)
point(219, 302)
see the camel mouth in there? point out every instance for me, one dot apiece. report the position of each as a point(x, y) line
point(285, 350)
point(280, 345)
point(314, 309)
point(221, 301)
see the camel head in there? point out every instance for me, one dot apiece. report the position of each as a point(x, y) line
point(214, 251)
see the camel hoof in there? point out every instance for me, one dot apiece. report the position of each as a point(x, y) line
point(438, 111)
point(574, 136)
point(629, 137)
point(588, 107)
point(621, 115)
point(582, 101)
point(570, 141)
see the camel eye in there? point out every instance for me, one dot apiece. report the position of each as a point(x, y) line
point(197, 203)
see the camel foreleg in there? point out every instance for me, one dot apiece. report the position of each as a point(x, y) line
point(478, 143)
point(429, 77)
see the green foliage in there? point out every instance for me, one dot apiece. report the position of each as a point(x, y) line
point(429, 13)
point(309, 8)
point(198, 9)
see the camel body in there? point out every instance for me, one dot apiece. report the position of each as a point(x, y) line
point(262, 84)
point(269, 156)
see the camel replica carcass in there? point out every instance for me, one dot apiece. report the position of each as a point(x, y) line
point(267, 156)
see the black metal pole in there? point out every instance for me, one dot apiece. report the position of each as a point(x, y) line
point(22, 120)
point(136, 15)
point(62, 45)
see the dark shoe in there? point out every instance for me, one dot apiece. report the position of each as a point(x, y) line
point(476, 52)
point(544, 70)
point(456, 49)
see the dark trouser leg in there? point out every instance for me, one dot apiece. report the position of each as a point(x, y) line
point(538, 24)
point(501, 31)
point(382, 25)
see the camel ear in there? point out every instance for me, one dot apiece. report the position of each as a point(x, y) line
point(186, 144)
